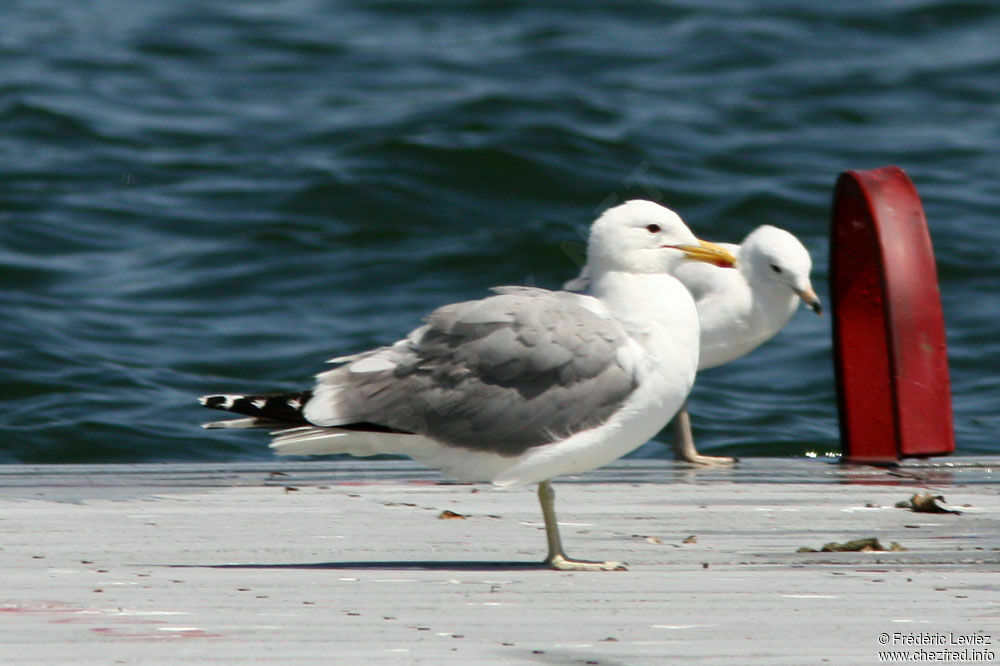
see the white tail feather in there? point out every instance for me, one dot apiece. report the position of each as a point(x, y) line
point(309, 441)
point(456, 462)
point(249, 422)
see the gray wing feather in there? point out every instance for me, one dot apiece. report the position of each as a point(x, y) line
point(504, 374)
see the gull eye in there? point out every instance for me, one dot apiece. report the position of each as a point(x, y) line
point(653, 228)
point(776, 268)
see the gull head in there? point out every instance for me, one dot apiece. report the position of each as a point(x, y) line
point(772, 255)
point(643, 237)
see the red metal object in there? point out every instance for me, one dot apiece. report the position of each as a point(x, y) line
point(889, 344)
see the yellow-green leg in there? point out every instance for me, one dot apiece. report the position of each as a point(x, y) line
point(684, 443)
point(557, 557)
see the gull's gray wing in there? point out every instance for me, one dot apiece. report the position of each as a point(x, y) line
point(503, 374)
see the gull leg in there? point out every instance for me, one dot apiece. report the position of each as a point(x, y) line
point(684, 443)
point(557, 557)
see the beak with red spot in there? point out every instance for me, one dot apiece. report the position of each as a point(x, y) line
point(708, 252)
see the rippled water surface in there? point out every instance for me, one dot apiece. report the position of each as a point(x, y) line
point(200, 197)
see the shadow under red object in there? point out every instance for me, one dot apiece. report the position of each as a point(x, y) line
point(890, 353)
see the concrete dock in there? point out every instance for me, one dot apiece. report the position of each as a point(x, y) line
point(384, 562)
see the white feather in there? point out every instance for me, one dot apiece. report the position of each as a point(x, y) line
point(377, 363)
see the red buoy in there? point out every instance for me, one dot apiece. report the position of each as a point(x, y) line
point(890, 354)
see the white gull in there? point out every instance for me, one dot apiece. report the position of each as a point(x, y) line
point(739, 310)
point(521, 386)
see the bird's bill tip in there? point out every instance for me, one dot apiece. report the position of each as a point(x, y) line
point(709, 253)
point(811, 300)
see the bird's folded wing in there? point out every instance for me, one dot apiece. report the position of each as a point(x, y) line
point(506, 373)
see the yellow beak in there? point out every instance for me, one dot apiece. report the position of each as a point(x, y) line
point(708, 252)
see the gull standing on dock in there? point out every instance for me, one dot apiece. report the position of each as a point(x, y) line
point(524, 385)
point(738, 310)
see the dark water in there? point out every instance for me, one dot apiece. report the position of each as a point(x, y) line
point(200, 197)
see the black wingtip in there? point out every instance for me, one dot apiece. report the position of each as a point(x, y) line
point(278, 407)
point(223, 402)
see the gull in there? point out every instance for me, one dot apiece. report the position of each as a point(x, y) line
point(738, 310)
point(524, 385)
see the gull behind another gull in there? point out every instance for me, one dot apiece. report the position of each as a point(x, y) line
point(521, 386)
point(739, 310)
